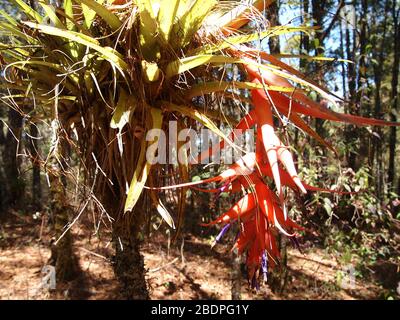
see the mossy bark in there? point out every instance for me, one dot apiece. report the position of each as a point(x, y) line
point(62, 255)
point(236, 276)
point(128, 261)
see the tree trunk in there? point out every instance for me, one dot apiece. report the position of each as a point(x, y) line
point(377, 154)
point(35, 158)
point(62, 255)
point(362, 100)
point(15, 186)
point(128, 261)
point(278, 278)
point(273, 18)
point(3, 181)
point(394, 97)
point(350, 131)
point(236, 276)
point(318, 12)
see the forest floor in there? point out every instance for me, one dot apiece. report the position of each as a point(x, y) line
point(191, 271)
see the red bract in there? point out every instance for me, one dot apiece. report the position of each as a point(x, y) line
point(259, 215)
point(244, 207)
point(274, 148)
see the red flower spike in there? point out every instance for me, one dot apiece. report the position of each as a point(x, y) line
point(265, 132)
point(254, 257)
point(300, 103)
point(248, 181)
point(266, 205)
point(272, 249)
point(242, 208)
point(260, 99)
point(259, 213)
point(233, 25)
point(246, 236)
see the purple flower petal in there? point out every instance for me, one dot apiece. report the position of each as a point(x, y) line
point(222, 232)
point(264, 266)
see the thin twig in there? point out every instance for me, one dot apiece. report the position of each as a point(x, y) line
point(95, 254)
point(163, 266)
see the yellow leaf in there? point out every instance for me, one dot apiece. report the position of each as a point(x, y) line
point(51, 13)
point(166, 15)
point(151, 71)
point(70, 15)
point(29, 11)
point(143, 165)
point(190, 22)
point(89, 14)
point(125, 107)
point(236, 40)
point(148, 30)
point(209, 87)
point(106, 53)
point(162, 210)
point(202, 118)
point(185, 64)
point(109, 17)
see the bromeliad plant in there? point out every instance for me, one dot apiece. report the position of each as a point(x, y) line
point(109, 71)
